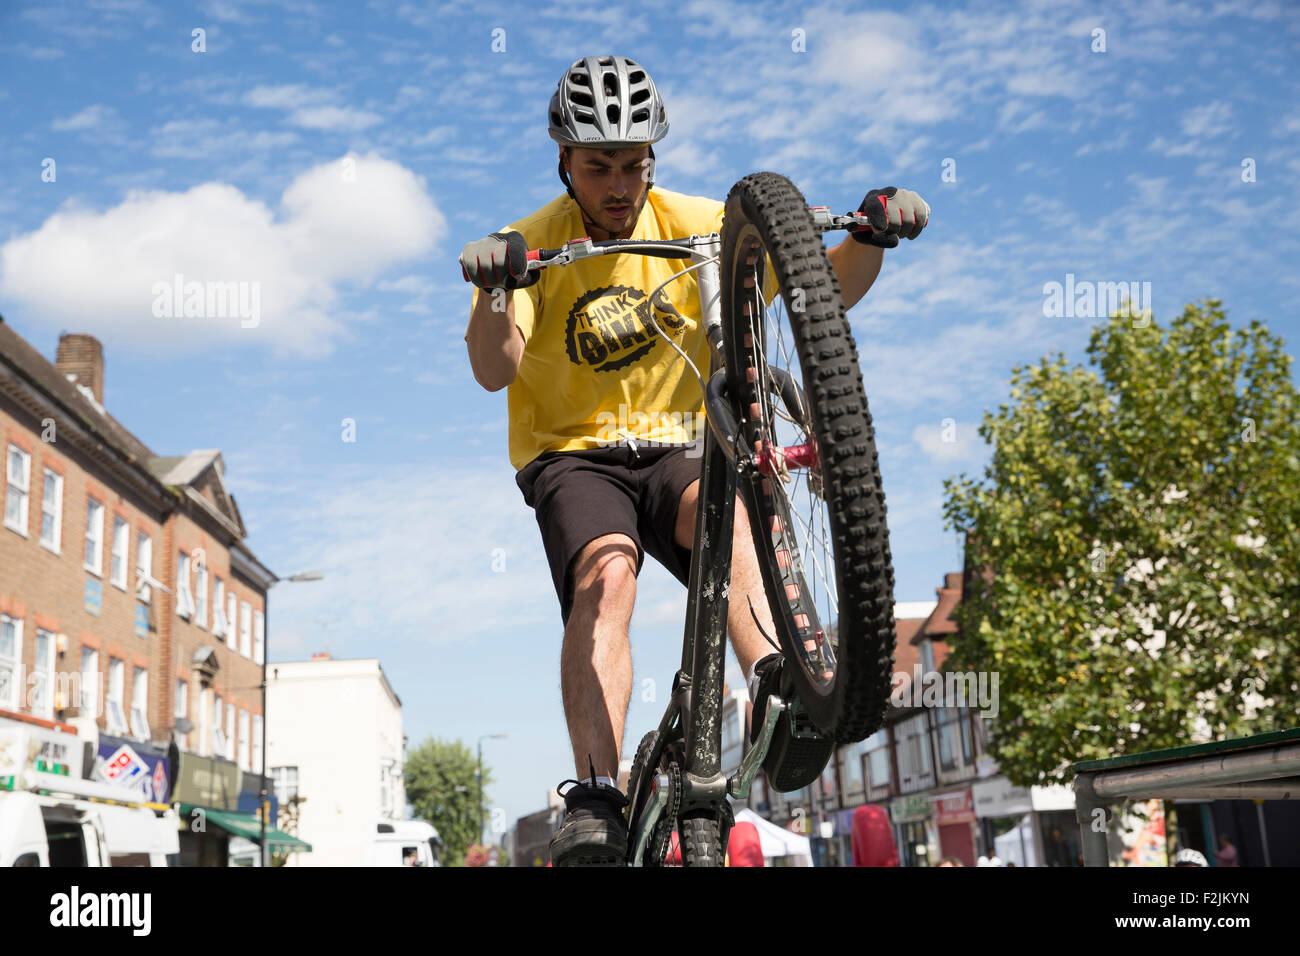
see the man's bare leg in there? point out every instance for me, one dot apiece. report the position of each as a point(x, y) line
point(596, 660)
point(746, 582)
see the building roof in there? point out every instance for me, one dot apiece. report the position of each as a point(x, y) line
point(18, 353)
point(189, 475)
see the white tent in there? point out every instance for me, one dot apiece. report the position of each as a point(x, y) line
point(775, 841)
point(1017, 844)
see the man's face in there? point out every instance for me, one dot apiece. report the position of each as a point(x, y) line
point(611, 185)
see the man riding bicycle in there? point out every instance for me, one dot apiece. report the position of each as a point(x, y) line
point(604, 418)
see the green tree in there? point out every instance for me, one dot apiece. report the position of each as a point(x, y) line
point(1139, 529)
point(434, 771)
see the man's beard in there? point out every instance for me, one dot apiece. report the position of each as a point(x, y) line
point(607, 222)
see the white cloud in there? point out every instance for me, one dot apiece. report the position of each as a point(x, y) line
point(333, 117)
point(287, 97)
point(97, 270)
point(89, 118)
point(949, 441)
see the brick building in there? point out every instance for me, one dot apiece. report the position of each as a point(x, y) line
point(127, 596)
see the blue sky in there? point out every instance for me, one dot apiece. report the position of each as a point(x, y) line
point(1122, 164)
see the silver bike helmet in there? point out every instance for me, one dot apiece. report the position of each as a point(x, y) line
point(607, 101)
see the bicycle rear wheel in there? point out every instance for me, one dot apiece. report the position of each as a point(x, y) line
point(813, 491)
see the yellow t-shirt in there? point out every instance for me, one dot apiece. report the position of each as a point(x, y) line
point(593, 366)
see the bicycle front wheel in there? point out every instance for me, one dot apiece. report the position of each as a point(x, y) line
point(812, 487)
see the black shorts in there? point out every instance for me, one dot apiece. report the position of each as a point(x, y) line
point(580, 495)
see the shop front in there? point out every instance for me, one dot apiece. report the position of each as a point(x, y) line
point(954, 818)
point(911, 816)
point(220, 815)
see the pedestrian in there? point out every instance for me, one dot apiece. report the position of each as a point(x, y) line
point(951, 861)
point(409, 858)
point(1226, 855)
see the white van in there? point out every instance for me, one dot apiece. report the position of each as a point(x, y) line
point(47, 829)
point(392, 842)
point(58, 819)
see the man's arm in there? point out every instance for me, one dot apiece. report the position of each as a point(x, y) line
point(495, 342)
point(893, 214)
point(856, 265)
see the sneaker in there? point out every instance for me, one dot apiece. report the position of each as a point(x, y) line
point(792, 763)
point(594, 832)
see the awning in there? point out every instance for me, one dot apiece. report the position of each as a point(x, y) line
point(249, 827)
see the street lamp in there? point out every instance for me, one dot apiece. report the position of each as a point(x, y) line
point(264, 856)
point(480, 781)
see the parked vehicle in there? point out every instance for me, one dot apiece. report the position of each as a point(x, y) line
point(392, 843)
point(52, 819)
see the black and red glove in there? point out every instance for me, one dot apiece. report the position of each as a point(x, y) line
point(498, 262)
point(893, 214)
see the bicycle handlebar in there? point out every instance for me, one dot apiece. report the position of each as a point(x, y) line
point(586, 247)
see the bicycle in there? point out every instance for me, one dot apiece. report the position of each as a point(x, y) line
point(768, 426)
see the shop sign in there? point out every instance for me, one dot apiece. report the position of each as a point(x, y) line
point(954, 807)
point(998, 798)
point(133, 766)
point(907, 809)
point(25, 747)
point(205, 782)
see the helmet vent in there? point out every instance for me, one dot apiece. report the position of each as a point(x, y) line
point(611, 84)
point(583, 99)
point(585, 116)
point(636, 76)
point(611, 112)
point(639, 96)
point(640, 116)
point(580, 78)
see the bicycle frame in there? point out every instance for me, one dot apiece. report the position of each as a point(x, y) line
point(694, 711)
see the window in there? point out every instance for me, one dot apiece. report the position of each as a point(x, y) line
point(113, 712)
point(201, 597)
point(243, 741)
point(11, 655)
point(52, 511)
point(205, 719)
point(140, 703)
point(851, 775)
point(245, 629)
point(946, 733)
point(20, 473)
point(89, 700)
point(230, 732)
point(259, 637)
point(121, 539)
point(257, 743)
point(286, 783)
point(218, 738)
point(143, 566)
point(964, 724)
point(218, 607)
point(877, 748)
point(927, 656)
point(184, 600)
point(181, 707)
point(42, 704)
point(94, 536)
point(230, 617)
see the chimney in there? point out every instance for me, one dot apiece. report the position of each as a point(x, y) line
point(82, 356)
point(322, 656)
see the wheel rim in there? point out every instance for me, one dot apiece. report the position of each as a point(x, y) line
point(778, 429)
